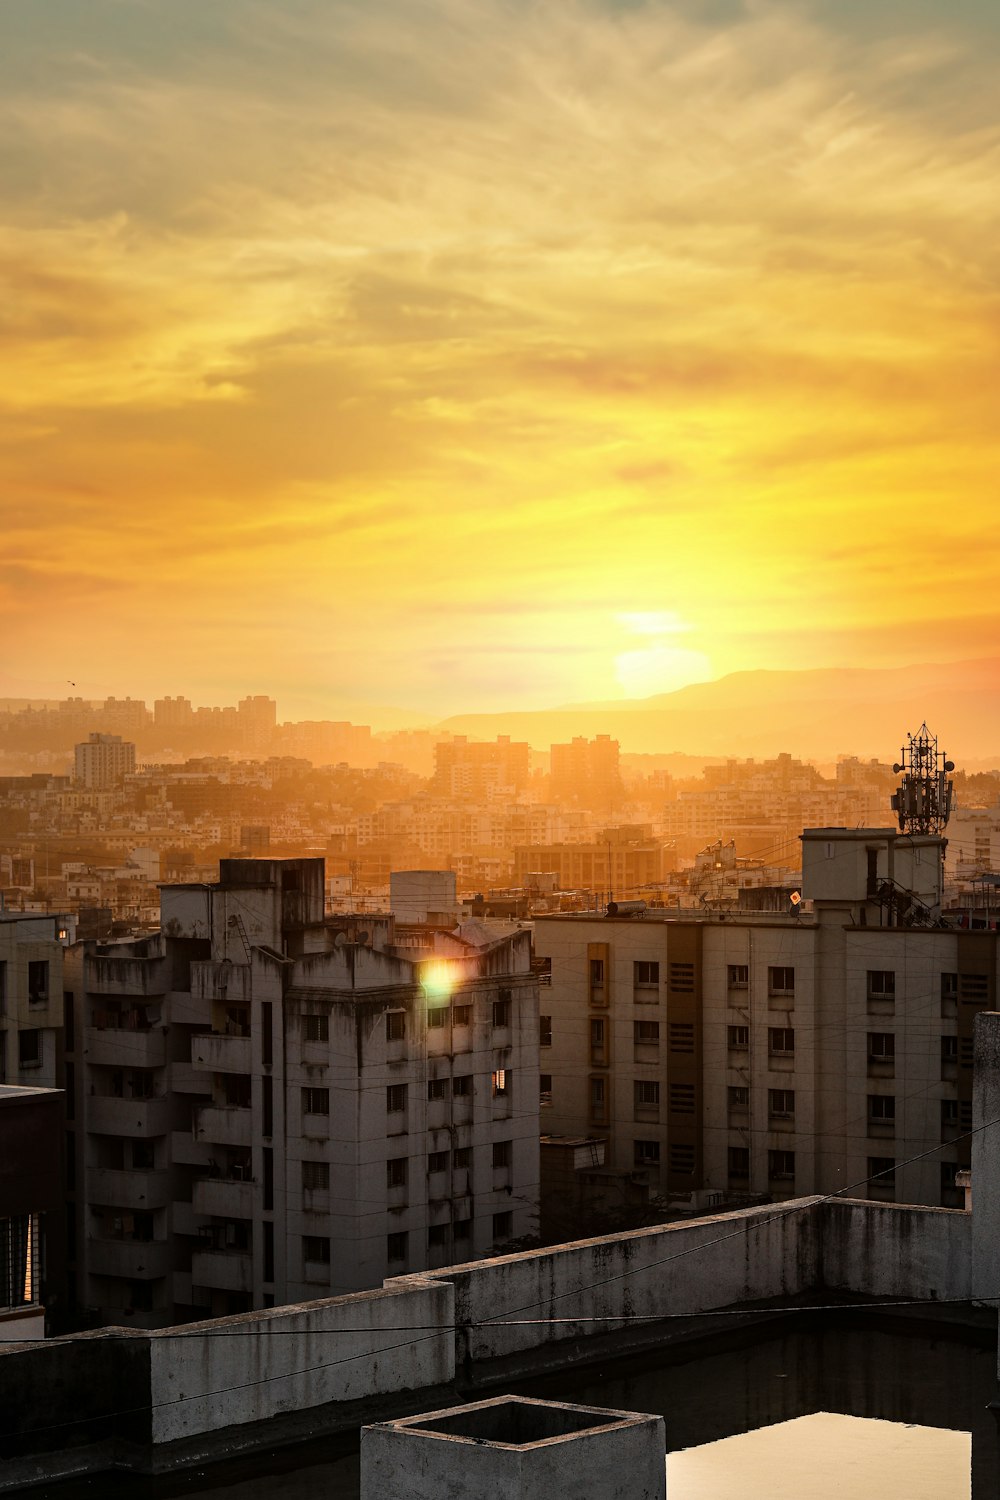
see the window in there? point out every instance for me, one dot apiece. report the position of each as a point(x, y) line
point(315, 1101)
point(317, 1028)
point(881, 1109)
point(316, 1248)
point(396, 1171)
point(647, 1098)
point(598, 1101)
point(38, 981)
point(739, 976)
point(316, 1176)
point(780, 1041)
point(544, 1089)
point(949, 1050)
point(501, 1013)
point(646, 1153)
point(395, 1245)
point(461, 1230)
point(395, 1098)
point(503, 1227)
point(682, 1037)
point(437, 1235)
point(682, 1098)
point(881, 1047)
point(501, 1083)
point(545, 1031)
point(437, 1161)
point(738, 1096)
point(780, 981)
point(739, 1162)
point(502, 1153)
point(974, 989)
point(882, 1173)
point(461, 1015)
point(29, 1049)
point(949, 994)
point(463, 1157)
point(461, 1086)
point(881, 984)
point(682, 979)
point(781, 1166)
point(598, 1053)
point(681, 1159)
point(143, 1156)
point(395, 1026)
point(597, 973)
point(437, 1017)
point(437, 1088)
point(952, 1195)
point(949, 1119)
point(738, 1038)
point(645, 974)
point(3, 990)
point(646, 1033)
point(781, 1104)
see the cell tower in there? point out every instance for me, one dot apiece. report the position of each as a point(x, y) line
point(923, 801)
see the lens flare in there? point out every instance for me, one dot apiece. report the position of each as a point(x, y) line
point(438, 979)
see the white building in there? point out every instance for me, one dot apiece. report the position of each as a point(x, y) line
point(278, 1107)
point(734, 1054)
point(103, 761)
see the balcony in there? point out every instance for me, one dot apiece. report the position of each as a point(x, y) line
point(141, 1117)
point(220, 1054)
point(185, 1079)
point(222, 1270)
point(223, 1197)
point(131, 1189)
point(223, 1125)
point(124, 1047)
point(134, 1260)
point(137, 977)
point(221, 981)
point(186, 1151)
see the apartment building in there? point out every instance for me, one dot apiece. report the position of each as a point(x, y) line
point(103, 761)
point(735, 1054)
point(272, 1106)
point(31, 997)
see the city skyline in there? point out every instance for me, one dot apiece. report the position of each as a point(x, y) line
point(465, 356)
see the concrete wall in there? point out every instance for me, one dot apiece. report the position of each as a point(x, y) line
point(231, 1371)
point(203, 1385)
point(893, 1250)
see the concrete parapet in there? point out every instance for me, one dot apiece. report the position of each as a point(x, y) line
point(514, 1448)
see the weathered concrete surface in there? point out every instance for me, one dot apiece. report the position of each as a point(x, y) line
point(986, 1160)
point(894, 1250)
point(514, 1448)
point(514, 1303)
point(208, 1376)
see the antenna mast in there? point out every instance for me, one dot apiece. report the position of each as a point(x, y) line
point(924, 797)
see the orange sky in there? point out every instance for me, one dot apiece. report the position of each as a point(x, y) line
point(463, 354)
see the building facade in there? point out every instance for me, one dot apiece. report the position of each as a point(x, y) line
point(272, 1106)
point(733, 1055)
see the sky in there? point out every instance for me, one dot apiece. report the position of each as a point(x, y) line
point(478, 354)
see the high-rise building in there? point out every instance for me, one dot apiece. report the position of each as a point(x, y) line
point(103, 761)
point(273, 1105)
point(730, 1054)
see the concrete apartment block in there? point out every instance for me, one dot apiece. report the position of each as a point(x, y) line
point(727, 1055)
point(514, 1448)
point(275, 1106)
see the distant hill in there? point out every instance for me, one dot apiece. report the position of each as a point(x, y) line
point(814, 714)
